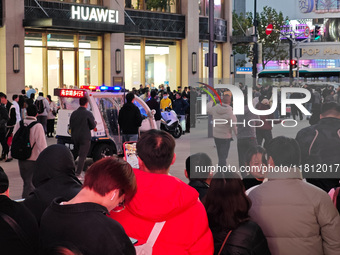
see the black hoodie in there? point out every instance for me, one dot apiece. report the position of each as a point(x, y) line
point(130, 119)
point(53, 177)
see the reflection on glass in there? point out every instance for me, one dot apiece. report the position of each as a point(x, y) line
point(53, 70)
point(33, 39)
point(89, 60)
point(69, 103)
point(110, 115)
point(132, 66)
point(200, 7)
point(60, 40)
point(68, 69)
point(94, 2)
point(160, 65)
point(141, 109)
point(217, 9)
point(133, 4)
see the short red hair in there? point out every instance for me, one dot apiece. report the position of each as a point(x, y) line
point(111, 173)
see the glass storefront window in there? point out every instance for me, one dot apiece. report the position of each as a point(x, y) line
point(59, 59)
point(33, 39)
point(33, 66)
point(201, 7)
point(94, 2)
point(60, 40)
point(134, 4)
point(132, 66)
point(160, 65)
point(217, 9)
point(153, 5)
point(90, 60)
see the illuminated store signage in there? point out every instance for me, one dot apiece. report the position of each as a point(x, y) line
point(326, 51)
point(97, 14)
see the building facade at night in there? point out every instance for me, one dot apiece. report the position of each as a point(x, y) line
point(51, 44)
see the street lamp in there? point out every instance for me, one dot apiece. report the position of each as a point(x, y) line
point(255, 59)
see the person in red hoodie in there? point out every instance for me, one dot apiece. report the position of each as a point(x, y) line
point(161, 197)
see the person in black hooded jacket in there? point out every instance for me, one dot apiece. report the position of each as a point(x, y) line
point(227, 207)
point(54, 176)
point(130, 119)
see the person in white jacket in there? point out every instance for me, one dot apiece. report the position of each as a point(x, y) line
point(38, 141)
point(223, 117)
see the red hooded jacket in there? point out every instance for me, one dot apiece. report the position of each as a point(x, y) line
point(160, 198)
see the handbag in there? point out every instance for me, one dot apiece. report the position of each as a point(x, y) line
point(225, 240)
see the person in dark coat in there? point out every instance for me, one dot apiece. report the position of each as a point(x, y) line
point(264, 132)
point(54, 176)
point(295, 110)
point(9, 125)
point(81, 123)
point(154, 105)
point(227, 207)
point(82, 221)
point(10, 242)
point(197, 170)
point(3, 128)
point(319, 145)
point(180, 106)
point(255, 159)
point(130, 119)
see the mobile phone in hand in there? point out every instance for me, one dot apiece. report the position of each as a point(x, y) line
point(130, 153)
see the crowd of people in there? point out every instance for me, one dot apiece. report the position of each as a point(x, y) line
point(163, 99)
point(120, 210)
point(25, 111)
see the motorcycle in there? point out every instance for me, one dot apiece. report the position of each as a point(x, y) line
point(170, 123)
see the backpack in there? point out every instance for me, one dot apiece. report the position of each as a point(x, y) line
point(40, 106)
point(146, 249)
point(21, 147)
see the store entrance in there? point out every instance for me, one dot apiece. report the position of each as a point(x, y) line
point(61, 68)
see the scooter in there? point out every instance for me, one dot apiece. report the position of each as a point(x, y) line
point(170, 123)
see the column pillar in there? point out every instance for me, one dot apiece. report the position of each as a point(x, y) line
point(191, 42)
point(12, 33)
point(227, 47)
point(142, 61)
point(113, 42)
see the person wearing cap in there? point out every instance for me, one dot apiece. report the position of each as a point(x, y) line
point(11, 211)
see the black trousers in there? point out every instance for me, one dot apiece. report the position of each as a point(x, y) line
point(265, 135)
point(50, 127)
point(3, 141)
point(243, 145)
